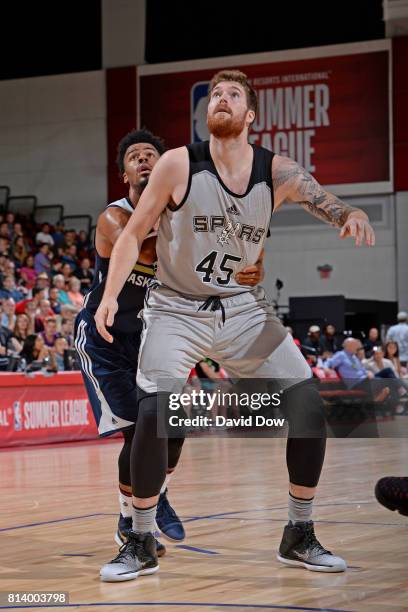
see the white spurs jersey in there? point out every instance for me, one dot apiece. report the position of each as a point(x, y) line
point(213, 233)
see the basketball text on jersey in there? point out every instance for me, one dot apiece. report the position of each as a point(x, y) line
point(138, 276)
point(228, 228)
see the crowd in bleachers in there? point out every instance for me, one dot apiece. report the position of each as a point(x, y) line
point(318, 347)
point(369, 363)
point(45, 272)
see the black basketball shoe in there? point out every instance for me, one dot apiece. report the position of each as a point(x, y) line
point(300, 547)
point(392, 492)
point(138, 557)
point(121, 535)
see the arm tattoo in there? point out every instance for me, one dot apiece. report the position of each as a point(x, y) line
point(303, 189)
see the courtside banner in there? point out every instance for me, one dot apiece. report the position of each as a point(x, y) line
point(329, 108)
point(42, 409)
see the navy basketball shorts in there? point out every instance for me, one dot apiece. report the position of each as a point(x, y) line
point(109, 373)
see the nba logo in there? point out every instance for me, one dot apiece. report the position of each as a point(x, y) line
point(17, 416)
point(199, 102)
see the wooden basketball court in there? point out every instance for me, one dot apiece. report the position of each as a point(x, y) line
point(59, 513)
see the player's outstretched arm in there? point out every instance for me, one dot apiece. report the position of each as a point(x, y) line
point(125, 253)
point(293, 183)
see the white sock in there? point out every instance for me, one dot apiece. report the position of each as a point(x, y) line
point(144, 519)
point(299, 510)
point(125, 503)
point(166, 482)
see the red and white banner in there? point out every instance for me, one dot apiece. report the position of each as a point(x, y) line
point(328, 107)
point(42, 409)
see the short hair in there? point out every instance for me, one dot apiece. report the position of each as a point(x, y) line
point(134, 137)
point(36, 290)
point(237, 77)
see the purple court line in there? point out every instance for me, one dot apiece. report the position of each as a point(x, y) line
point(175, 603)
point(275, 520)
point(194, 549)
point(69, 518)
point(199, 518)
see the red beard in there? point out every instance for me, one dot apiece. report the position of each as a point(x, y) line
point(225, 126)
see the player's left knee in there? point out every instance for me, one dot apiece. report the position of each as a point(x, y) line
point(304, 409)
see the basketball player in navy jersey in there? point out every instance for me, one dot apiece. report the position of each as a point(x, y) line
point(109, 370)
point(215, 201)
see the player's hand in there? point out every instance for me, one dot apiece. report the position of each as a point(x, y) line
point(251, 275)
point(104, 317)
point(360, 229)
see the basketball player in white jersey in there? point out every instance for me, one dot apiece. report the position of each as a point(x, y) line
point(215, 201)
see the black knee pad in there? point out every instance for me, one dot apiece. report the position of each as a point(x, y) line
point(124, 456)
point(148, 463)
point(306, 446)
point(304, 458)
point(175, 446)
point(304, 410)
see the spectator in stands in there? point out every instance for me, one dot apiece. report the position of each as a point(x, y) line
point(74, 292)
point(330, 343)
point(44, 236)
point(378, 364)
point(384, 368)
point(66, 271)
point(22, 328)
point(9, 268)
point(5, 246)
point(42, 260)
point(43, 281)
point(354, 374)
point(392, 352)
point(4, 230)
point(53, 298)
point(67, 330)
point(70, 257)
point(83, 241)
point(43, 314)
point(17, 231)
point(59, 283)
point(37, 295)
point(69, 238)
point(85, 275)
point(312, 344)
point(10, 220)
point(8, 315)
point(50, 331)
point(60, 346)
point(19, 251)
point(371, 341)
point(58, 235)
point(5, 335)
point(9, 290)
point(399, 334)
point(28, 273)
point(34, 349)
point(30, 310)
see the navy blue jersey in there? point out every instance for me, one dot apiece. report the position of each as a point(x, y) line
point(131, 298)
